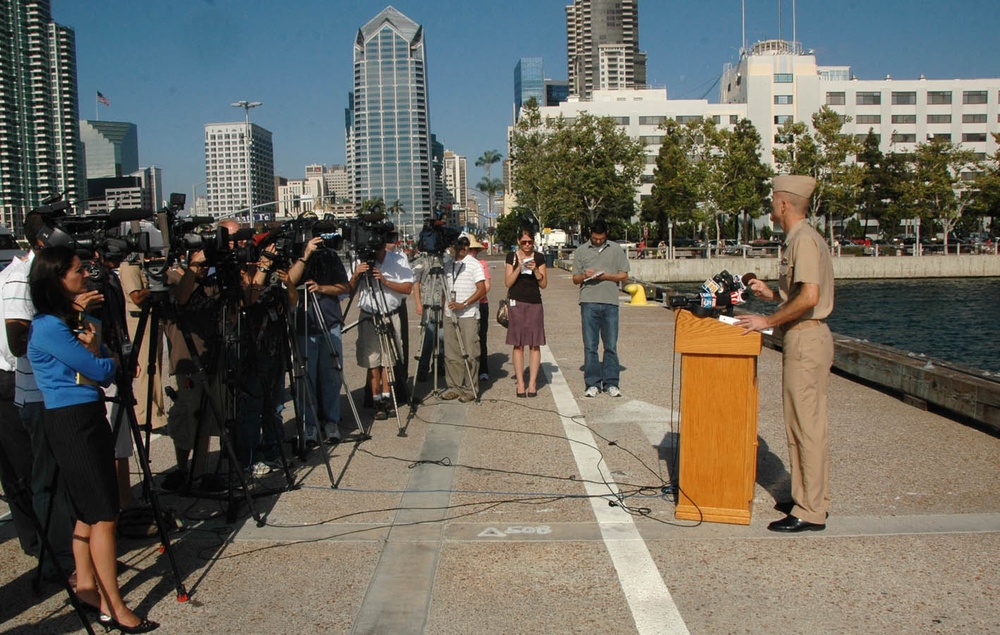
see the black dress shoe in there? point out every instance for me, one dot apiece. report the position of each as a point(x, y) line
point(791, 524)
point(786, 507)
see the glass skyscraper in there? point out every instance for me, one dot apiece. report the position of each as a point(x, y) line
point(389, 134)
point(40, 149)
point(529, 81)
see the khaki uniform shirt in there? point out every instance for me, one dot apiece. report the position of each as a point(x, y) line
point(807, 260)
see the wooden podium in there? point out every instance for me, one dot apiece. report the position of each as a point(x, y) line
point(718, 433)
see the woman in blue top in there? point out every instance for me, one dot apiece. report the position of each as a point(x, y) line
point(69, 365)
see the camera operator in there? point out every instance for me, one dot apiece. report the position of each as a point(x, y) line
point(268, 314)
point(402, 369)
point(135, 285)
point(325, 281)
point(200, 309)
point(393, 281)
point(466, 284)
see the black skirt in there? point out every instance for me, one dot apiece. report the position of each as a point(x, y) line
point(84, 449)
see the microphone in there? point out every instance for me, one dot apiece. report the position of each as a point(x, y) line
point(747, 277)
point(125, 215)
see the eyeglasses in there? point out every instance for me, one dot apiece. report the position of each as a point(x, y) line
point(527, 242)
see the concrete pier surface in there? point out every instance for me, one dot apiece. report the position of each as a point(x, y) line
point(546, 515)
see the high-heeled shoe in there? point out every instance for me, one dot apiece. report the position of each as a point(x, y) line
point(144, 626)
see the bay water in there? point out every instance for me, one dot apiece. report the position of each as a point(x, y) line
point(954, 320)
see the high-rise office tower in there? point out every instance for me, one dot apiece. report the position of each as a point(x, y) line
point(388, 122)
point(111, 148)
point(602, 46)
point(232, 184)
point(40, 150)
point(529, 81)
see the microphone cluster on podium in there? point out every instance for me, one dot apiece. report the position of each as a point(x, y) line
point(718, 294)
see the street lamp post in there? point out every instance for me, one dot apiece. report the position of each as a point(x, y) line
point(246, 106)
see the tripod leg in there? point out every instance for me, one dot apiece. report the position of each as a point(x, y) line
point(154, 500)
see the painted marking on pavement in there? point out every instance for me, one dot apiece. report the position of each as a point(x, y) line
point(649, 599)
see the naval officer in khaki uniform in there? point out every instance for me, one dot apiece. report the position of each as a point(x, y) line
point(805, 289)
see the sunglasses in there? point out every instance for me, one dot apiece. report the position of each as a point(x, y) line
point(527, 242)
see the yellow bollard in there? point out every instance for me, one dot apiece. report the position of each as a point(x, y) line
point(638, 293)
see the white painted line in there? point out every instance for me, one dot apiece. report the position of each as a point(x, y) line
point(649, 599)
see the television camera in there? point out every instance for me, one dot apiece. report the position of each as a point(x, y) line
point(435, 235)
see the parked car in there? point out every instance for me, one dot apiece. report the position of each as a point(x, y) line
point(684, 241)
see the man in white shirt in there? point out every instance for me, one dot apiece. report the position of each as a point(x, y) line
point(465, 285)
point(18, 311)
point(381, 285)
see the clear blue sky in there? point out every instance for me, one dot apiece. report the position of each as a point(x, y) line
point(171, 66)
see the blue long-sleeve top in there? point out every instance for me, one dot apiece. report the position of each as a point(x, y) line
point(57, 356)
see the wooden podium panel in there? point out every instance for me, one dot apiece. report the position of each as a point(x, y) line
point(718, 433)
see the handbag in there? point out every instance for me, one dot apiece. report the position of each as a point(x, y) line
point(503, 312)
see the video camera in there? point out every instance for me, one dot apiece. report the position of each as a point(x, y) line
point(100, 233)
point(369, 232)
point(291, 237)
point(435, 235)
point(718, 294)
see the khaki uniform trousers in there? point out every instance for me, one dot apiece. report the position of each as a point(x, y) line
point(807, 358)
point(455, 370)
point(159, 417)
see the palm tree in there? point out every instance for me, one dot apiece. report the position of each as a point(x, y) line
point(488, 159)
point(397, 209)
point(489, 187)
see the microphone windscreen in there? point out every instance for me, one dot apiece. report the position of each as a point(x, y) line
point(747, 277)
point(125, 215)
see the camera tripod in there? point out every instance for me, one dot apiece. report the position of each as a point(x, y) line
point(159, 305)
point(432, 286)
point(385, 332)
point(303, 390)
point(244, 340)
point(439, 291)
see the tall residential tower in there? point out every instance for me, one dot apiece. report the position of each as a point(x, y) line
point(40, 151)
point(388, 123)
point(602, 46)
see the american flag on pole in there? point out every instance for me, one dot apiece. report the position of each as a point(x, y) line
point(102, 99)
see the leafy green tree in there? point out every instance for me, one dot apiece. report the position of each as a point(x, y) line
point(938, 191)
point(822, 152)
point(872, 195)
point(988, 184)
point(674, 195)
point(572, 172)
point(894, 175)
point(531, 179)
point(509, 227)
point(743, 177)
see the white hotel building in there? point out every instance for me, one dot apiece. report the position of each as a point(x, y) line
point(775, 81)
